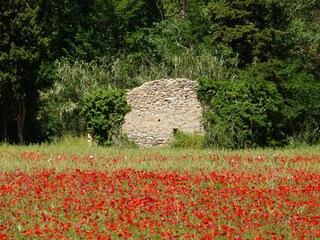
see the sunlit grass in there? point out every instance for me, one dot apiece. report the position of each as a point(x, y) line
point(74, 152)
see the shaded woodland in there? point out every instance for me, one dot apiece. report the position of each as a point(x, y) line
point(257, 63)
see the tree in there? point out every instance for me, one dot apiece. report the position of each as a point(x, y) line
point(21, 46)
point(64, 22)
point(304, 35)
point(301, 93)
point(251, 28)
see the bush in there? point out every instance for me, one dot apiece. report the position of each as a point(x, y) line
point(241, 113)
point(61, 104)
point(104, 112)
point(188, 140)
point(302, 110)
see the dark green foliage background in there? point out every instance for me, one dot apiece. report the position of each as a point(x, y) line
point(260, 60)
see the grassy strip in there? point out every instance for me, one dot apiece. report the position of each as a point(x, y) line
point(76, 153)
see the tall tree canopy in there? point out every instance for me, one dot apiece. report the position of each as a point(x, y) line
point(251, 28)
point(20, 53)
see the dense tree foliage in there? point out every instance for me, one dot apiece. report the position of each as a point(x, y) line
point(242, 113)
point(21, 46)
point(251, 28)
point(55, 53)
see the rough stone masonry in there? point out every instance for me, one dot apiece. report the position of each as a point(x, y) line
point(160, 108)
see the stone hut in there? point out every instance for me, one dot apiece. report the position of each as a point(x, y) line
point(160, 108)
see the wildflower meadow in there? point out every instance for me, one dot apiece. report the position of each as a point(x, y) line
point(95, 193)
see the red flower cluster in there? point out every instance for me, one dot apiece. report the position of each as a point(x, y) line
point(131, 203)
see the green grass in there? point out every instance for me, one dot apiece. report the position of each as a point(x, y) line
point(64, 154)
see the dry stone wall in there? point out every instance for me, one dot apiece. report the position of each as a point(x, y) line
point(161, 107)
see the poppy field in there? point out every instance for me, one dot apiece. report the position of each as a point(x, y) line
point(158, 194)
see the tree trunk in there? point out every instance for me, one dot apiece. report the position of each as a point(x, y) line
point(3, 122)
point(21, 119)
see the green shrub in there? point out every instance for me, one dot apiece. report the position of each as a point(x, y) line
point(188, 140)
point(240, 113)
point(104, 112)
point(61, 104)
point(302, 109)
